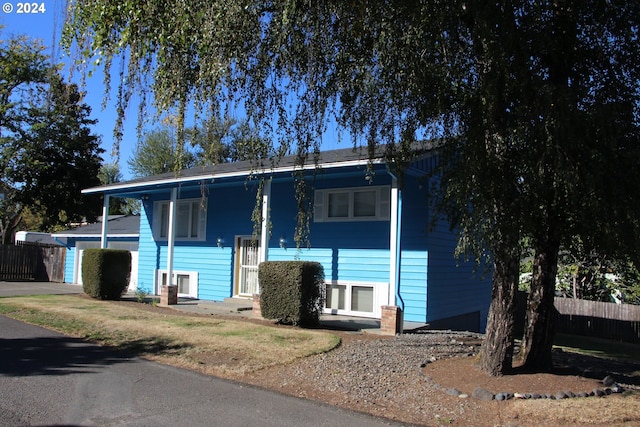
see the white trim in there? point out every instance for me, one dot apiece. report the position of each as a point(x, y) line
point(193, 282)
point(234, 174)
point(95, 236)
point(238, 268)
point(105, 224)
point(394, 243)
point(263, 251)
point(171, 234)
point(321, 204)
point(380, 296)
point(157, 224)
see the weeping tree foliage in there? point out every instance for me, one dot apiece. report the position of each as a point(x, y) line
point(534, 106)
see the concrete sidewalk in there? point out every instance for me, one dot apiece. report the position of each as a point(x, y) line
point(242, 307)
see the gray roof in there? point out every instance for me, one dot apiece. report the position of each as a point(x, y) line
point(122, 226)
point(326, 159)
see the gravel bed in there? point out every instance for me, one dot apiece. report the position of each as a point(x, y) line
point(387, 373)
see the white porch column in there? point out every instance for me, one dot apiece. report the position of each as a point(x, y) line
point(105, 221)
point(394, 242)
point(171, 235)
point(266, 217)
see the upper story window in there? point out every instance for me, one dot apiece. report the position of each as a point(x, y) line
point(191, 219)
point(352, 204)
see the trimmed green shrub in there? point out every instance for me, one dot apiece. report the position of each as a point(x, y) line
point(291, 292)
point(105, 273)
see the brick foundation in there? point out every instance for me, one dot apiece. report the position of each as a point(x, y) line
point(169, 295)
point(391, 321)
point(256, 309)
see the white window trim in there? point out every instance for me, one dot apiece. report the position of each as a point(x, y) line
point(383, 204)
point(193, 282)
point(202, 220)
point(380, 298)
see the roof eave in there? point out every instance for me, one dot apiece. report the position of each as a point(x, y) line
point(237, 174)
point(88, 236)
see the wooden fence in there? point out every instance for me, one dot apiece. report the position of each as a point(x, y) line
point(620, 322)
point(27, 261)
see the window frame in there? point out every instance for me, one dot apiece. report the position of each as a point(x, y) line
point(161, 276)
point(380, 296)
point(201, 227)
point(382, 204)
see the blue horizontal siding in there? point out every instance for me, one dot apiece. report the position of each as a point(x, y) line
point(147, 250)
point(454, 286)
point(432, 284)
point(69, 264)
point(366, 265)
point(363, 265)
point(413, 284)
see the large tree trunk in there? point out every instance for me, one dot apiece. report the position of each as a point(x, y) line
point(496, 353)
point(539, 330)
point(9, 227)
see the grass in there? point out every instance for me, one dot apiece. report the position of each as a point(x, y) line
point(621, 410)
point(598, 347)
point(211, 345)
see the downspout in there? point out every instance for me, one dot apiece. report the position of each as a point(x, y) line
point(395, 239)
point(105, 221)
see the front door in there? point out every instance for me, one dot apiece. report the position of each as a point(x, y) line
point(247, 259)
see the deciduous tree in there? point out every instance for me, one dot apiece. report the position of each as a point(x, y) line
point(48, 153)
point(534, 106)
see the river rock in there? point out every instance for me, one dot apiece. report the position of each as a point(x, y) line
point(482, 394)
point(608, 381)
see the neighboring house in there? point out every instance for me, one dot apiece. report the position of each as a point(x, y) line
point(123, 234)
point(36, 237)
point(372, 237)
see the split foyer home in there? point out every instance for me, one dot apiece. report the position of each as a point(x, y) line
point(372, 235)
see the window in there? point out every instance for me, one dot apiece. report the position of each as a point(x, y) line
point(352, 204)
point(355, 298)
point(190, 220)
point(187, 282)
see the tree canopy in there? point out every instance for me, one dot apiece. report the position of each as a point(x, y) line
point(158, 152)
point(110, 174)
point(212, 141)
point(535, 107)
point(48, 153)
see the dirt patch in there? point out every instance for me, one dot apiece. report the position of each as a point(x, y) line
point(464, 375)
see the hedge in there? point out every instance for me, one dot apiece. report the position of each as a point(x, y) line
point(292, 292)
point(105, 273)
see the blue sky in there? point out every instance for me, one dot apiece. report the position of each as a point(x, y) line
point(46, 25)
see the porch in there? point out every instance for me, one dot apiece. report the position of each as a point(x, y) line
point(242, 307)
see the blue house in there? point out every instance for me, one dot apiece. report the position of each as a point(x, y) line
point(372, 236)
point(123, 234)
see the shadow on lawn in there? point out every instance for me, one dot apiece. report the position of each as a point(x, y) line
point(624, 372)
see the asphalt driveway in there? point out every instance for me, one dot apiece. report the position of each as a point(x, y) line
point(9, 289)
point(50, 379)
